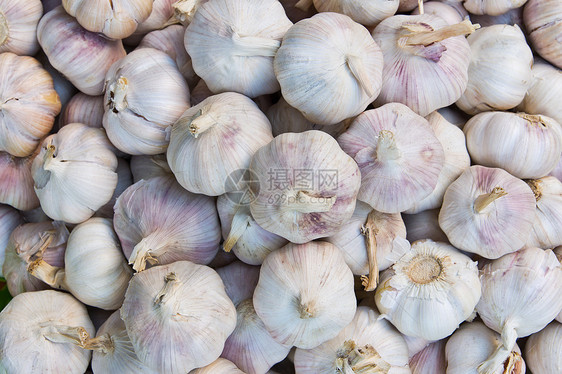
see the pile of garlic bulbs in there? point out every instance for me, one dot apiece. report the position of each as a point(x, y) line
point(281, 186)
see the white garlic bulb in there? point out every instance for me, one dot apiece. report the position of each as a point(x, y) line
point(145, 93)
point(430, 291)
point(399, 156)
point(365, 12)
point(39, 330)
point(542, 19)
point(492, 7)
point(487, 211)
point(511, 141)
point(424, 225)
point(305, 294)
point(161, 16)
point(329, 68)
point(74, 173)
point(18, 26)
point(158, 222)
point(178, 316)
point(499, 73)
point(415, 344)
point(304, 186)
point(219, 366)
point(232, 44)
point(16, 181)
point(430, 360)
point(408, 5)
point(228, 129)
point(452, 12)
point(9, 220)
point(367, 345)
point(146, 167)
point(84, 109)
point(547, 228)
point(543, 350)
point(520, 296)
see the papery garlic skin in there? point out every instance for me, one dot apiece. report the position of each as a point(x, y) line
point(430, 360)
point(305, 294)
point(18, 26)
point(415, 344)
point(329, 68)
point(65, 89)
point(430, 291)
point(542, 19)
point(178, 316)
point(543, 350)
point(16, 181)
point(219, 366)
point(424, 225)
point(452, 12)
point(161, 16)
point(82, 56)
point(84, 109)
point(365, 12)
point(232, 44)
point(29, 103)
point(492, 7)
point(31, 341)
point(146, 167)
point(145, 93)
point(74, 173)
point(547, 228)
point(239, 280)
point(9, 220)
point(499, 73)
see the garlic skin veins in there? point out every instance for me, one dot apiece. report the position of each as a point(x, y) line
point(18, 26)
point(84, 109)
point(9, 220)
point(16, 181)
point(542, 19)
point(546, 232)
point(543, 350)
point(365, 12)
point(74, 173)
point(492, 7)
point(430, 291)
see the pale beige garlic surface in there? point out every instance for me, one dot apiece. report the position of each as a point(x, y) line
point(219, 366)
point(329, 68)
point(38, 330)
point(146, 167)
point(161, 16)
point(520, 296)
point(547, 228)
point(430, 360)
point(425, 61)
point(232, 44)
point(366, 12)
point(543, 350)
point(543, 97)
point(10, 218)
point(525, 145)
point(492, 7)
point(84, 109)
point(451, 11)
point(65, 89)
point(424, 225)
point(124, 180)
point(542, 20)
point(305, 294)
point(304, 186)
point(158, 222)
point(487, 211)
point(74, 173)
point(145, 94)
point(211, 144)
point(116, 19)
point(178, 316)
point(29, 104)
point(399, 156)
point(16, 181)
point(430, 291)
point(499, 73)
point(18, 26)
point(83, 57)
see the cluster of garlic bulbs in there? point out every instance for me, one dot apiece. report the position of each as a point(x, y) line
point(281, 186)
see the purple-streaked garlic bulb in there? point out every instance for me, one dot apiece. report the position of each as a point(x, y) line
point(543, 350)
point(423, 43)
point(16, 181)
point(232, 44)
point(178, 316)
point(241, 234)
point(487, 211)
point(451, 11)
point(18, 26)
point(520, 296)
point(39, 334)
point(124, 180)
point(145, 94)
point(158, 222)
point(547, 228)
point(82, 56)
point(239, 280)
point(329, 68)
point(304, 186)
point(511, 17)
point(399, 156)
point(368, 344)
point(542, 20)
point(430, 291)
point(492, 7)
point(74, 173)
point(366, 12)
point(10, 218)
point(524, 145)
point(219, 366)
point(472, 344)
point(146, 167)
point(84, 109)
point(499, 73)
point(424, 225)
point(305, 294)
point(430, 360)
point(227, 129)
point(28, 245)
point(159, 18)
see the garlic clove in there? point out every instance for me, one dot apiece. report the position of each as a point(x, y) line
point(451, 11)
point(542, 20)
point(124, 180)
point(547, 228)
point(430, 360)
point(10, 218)
point(543, 350)
point(18, 26)
point(492, 7)
point(239, 280)
point(424, 225)
point(367, 13)
point(84, 109)
point(219, 366)
point(16, 181)
point(146, 167)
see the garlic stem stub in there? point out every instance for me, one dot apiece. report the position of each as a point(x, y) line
point(451, 11)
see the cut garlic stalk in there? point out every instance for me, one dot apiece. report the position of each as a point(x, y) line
point(451, 11)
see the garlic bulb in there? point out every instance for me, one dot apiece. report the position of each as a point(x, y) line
point(178, 316)
point(219, 366)
point(430, 291)
point(543, 351)
point(82, 56)
point(124, 180)
point(74, 173)
point(543, 97)
point(547, 228)
point(499, 73)
point(451, 12)
point(228, 129)
point(415, 344)
point(520, 296)
point(38, 333)
point(18, 26)
point(145, 93)
point(160, 17)
point(64, 88)
point(158, 222)
point(492, 7)
point(29, 103)
point(423, 43)
point(367, 345)
point(424, 225)
point(557, 171)
point(542, 19)
point(487, 211)
point(16, 181)
point(510, 141)
point(329, 68)
point(430, 360)
point(399, 156)
point(239, 280)
point(84, 109)
point(9, 220)
point(305, 294)
point(365, 12)
point(146, 167)
point(116, 19)
point(303, 185)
